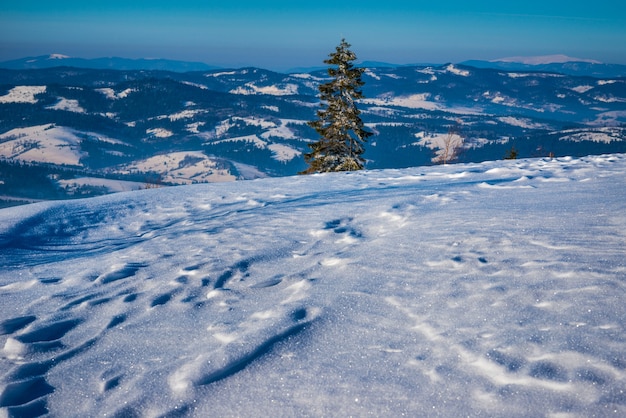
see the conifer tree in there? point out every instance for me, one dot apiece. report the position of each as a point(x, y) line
point(339, 124)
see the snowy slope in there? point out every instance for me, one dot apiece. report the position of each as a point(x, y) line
point(492, 289)
point(182, 168)
point(42, 143)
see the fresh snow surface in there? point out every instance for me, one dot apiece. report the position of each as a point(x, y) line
point(493, 289)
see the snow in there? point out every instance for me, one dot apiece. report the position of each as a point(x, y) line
point(306, 76)
point(194, 127)
point(493, 289)
point(159, 132)
point(273, 129)
point(582, 89)
point(534, 75)
point(605, 82)
point(282, 130)
point(414, 101)
point(254, 139)
point(545, 59)
point(184, 114)
point(522, 122)
point(248, 172)
point(273, 90)
point(440, 142)
point(419, 101)
point(221, 74)
point(370, 73)
point(42, 143)
point(69, 105)
point(381, 111)
point(283, 152)
point(520, 75)
point(606, 99)
point(612, 118)
point(252, 121)
point(113, 186)
point(22, 94)
point(222, 128)
point(109, 93)
point(200, 86)
point(185, 167)
point(457, 71)
point(271, 108)
point(497, 98)
point(602, 134)
point(305, 104)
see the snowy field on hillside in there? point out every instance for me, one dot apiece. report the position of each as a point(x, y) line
point(494, 289)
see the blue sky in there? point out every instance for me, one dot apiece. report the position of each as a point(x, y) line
point(282, 34)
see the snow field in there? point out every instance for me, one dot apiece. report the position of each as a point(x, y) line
point(490, 289)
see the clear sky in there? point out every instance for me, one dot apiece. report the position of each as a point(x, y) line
point(282, 34)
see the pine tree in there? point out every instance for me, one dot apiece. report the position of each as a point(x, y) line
point(339, 124)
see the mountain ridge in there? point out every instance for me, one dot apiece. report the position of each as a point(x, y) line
point(585, 68)
point(553, 63)
point(116, 63)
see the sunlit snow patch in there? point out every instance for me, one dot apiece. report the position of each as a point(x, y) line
point(22, 94)
point(43, 143)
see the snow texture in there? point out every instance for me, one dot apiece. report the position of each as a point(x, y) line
point(493, 289)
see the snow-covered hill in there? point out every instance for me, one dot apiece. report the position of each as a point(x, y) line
point(493, 289)
point(61, 124)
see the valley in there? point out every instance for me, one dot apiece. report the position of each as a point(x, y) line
point(75, 132)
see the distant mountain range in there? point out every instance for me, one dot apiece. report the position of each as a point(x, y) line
point(113, 63)
point(555, 64)
point(71, 132)
point(550, 63)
